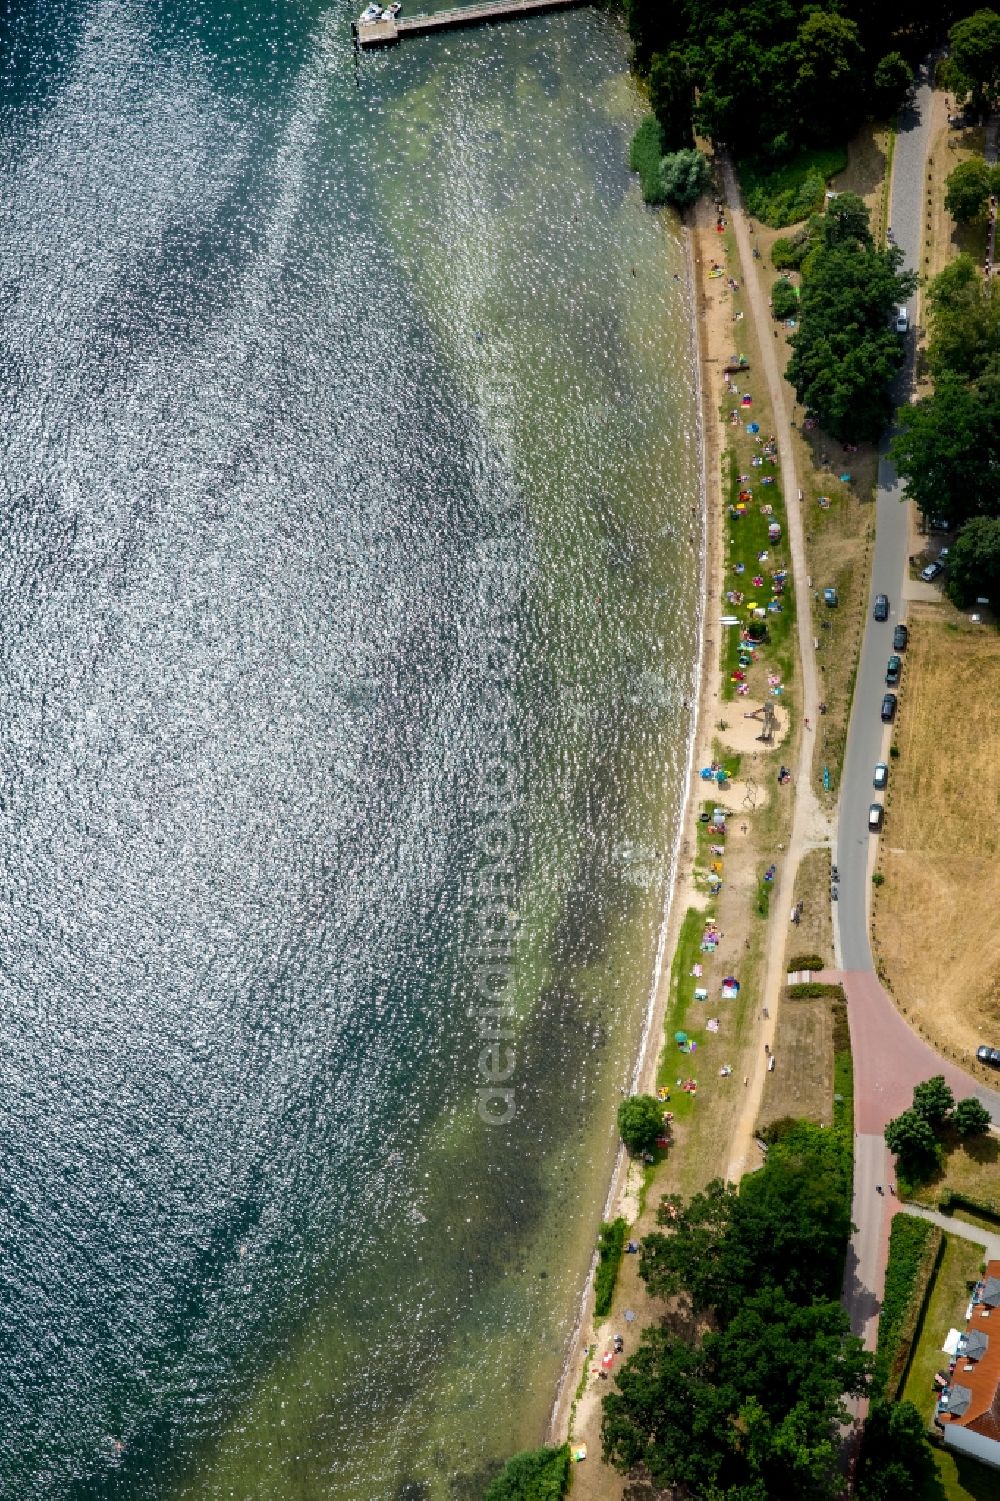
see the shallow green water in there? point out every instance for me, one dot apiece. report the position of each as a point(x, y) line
point(351, 477)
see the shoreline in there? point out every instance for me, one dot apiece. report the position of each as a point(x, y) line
point(705, 686)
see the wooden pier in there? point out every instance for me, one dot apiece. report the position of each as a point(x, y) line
point(385, 33)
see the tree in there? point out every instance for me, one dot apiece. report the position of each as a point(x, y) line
point(934, 1101)
point(968, 190)
point(697, 1256)
point(671, 98)
point(964, 320)
point(532, 1475)
point(784, 299)
point(827, 62)
point(640, 1122)
point(972, 1118)
point(891, 84)
point(913, 1142)
point(844, 352)
point(896, 1459)
point(684, 176)
point(846, 222)
point(974, 570)
point(974, 56)
point(947, 449)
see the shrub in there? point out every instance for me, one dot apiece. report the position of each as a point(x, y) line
point(532, 1475)
point(811, 990)
point(645, 156)
point(684, 176)
point(790, 192)
point(784, 299)
point(610, 1248)
point(806, 961)
point(971, 1118)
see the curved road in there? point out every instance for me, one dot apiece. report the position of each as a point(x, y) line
point(889, 1058)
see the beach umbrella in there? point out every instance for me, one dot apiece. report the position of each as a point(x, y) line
point(680, 1037)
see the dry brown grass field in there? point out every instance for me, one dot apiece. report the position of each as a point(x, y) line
point(937, 939)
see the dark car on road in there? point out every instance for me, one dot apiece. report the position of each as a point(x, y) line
point(892, 670)
point(900, 636)
point(881, 611)
point(932, 571)
point(888, 708)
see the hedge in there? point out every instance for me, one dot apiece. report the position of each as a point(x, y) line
point(806, 961)
point(951, 1200)
point(811, 990)
point(915, 1248)
point(610, 1249)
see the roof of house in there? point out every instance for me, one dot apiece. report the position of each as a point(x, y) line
point(973, 1399)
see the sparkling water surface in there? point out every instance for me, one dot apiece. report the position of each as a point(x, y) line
point(350, 578)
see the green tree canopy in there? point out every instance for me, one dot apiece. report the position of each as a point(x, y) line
point(784, 299)
point(974, 571)
point(933, 1100)
point(896, 1459)
point(685, 176)
point(827, 73)
point(640, 1122)
point(532, 1475)
point(947, 449)
point(968, 190)
point(913, 1142)
point(974, 56)
point(671, 98)
point(972, 1118)
point(754, 1410)
point(964, 320)
point(891, 84)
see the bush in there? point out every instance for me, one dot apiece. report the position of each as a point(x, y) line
point(684, 176)
point(914, 1248)
point(968, 190)
point(532, 1475)
point(785, 194)
point(806, 961)
point(971, 1118)
point(645, 156)
point(784, 299)
point(640, 1122)
point(812, 990)
point(610, 1248)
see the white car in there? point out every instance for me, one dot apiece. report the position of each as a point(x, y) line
point(902, 321)
point(881, 777)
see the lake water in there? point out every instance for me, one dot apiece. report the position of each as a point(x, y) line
point(350, 573)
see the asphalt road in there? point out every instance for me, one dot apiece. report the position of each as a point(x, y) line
point(868, 739)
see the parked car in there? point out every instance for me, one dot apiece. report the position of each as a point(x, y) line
point(893, 668)
point(902, 321)
point(990, 1056)
point(881, 611)
point(900, 637)
point(939, 524)
point(874, 817)
point(932, 571)
point(888, 708)
point(881, 776)
point(831, 598)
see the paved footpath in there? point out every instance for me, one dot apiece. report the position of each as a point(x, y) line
point(988, 1239)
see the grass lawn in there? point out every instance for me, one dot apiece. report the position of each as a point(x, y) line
point(945, 1310)
point(957, 1480)
point(940, 853)
point(971, 1168)
point(802, 1085)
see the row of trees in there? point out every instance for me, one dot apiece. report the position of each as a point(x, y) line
point(915, 1135)
point(775, 77)
point(948, 445)
point(844, 352)
point(751, 1407)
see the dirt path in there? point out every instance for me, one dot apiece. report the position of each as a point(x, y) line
point(809, 824)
